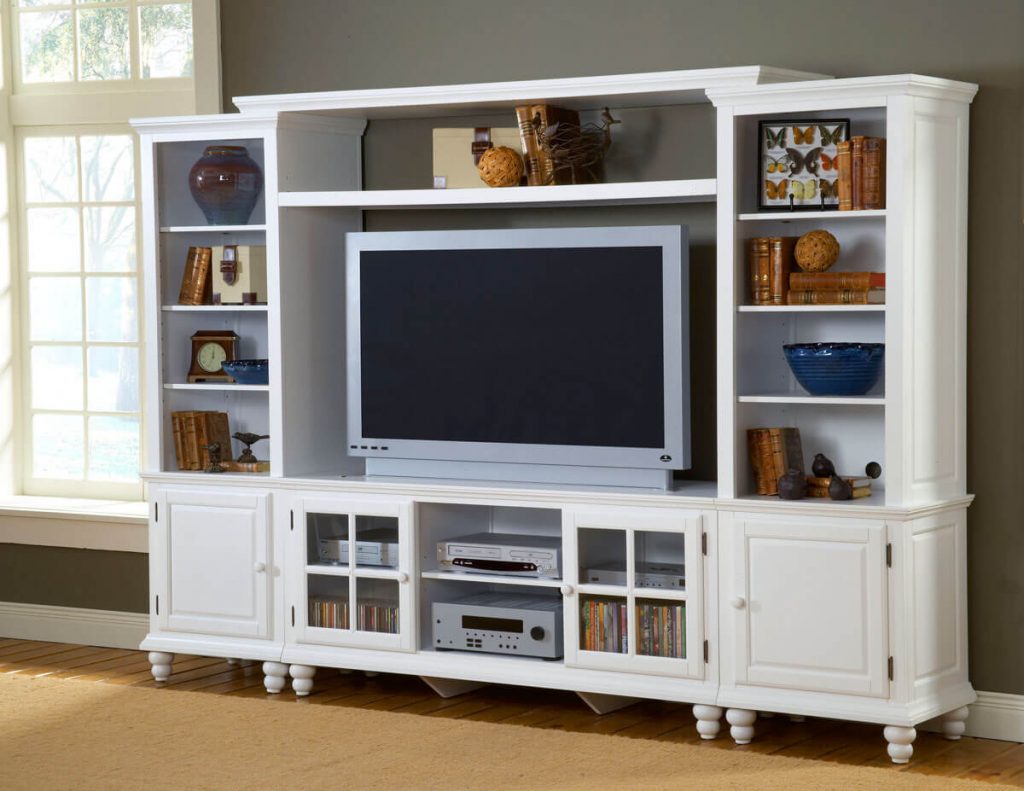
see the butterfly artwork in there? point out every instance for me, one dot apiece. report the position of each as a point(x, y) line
point(804, 190)
point(833, 136)
point(829, 163)
point(780, 165)
point(776, 139)
point(803, 136)
point(829, 189)
point(776, 190)
point(798, 162)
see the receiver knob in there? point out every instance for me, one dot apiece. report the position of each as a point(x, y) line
point(537, 633)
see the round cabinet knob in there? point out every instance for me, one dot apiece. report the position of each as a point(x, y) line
point(259, 566)
point(739, 602)
point(566, 590)
point(403, 577)
point(537, 633)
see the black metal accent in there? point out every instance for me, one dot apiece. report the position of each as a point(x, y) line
point(156, 512)
point(706, 651)
point(158, 604)
point(890, 669)
point(293, 615)
point(888, 555)
point(704, 543)
point(292, 515)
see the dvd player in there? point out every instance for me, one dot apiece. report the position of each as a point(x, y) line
point(502, 553)
point(648, 575)
point(377, 546)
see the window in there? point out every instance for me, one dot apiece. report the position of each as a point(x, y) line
point(81, 69)
point(85, 41)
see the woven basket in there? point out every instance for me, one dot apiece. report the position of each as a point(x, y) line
point(816, 251)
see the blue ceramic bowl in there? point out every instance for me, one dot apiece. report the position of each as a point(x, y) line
point(836, 369)
point(247, 372)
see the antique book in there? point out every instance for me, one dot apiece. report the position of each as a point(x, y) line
point(847, 296)
point(780, 262)
point(836, 281)
point(773, 452)
point(854, 481)
point(245, 466)
point(540, 169)
point(760, 270)
point(188, 440)
point(857, 169)
point(872, 191)
point(528, 141)
point(211, 427)
point(195, 281)
point(845, 180)
point(179, 447)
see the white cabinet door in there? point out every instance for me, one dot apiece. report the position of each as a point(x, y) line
point(212, 564)
point(807, 604)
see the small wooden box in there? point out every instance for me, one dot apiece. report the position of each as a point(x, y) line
point(457, 152)
point(239, 274)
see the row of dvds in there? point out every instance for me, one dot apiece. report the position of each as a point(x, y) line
point(661, 629)
point(604, 626)
point(328, 612)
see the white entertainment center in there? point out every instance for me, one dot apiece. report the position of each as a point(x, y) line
point(851, 610)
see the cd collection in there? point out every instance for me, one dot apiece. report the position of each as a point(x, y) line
point(328, 612)
point(661, 629)
point(604, 626)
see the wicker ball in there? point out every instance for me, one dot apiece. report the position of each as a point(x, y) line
point(816, 251)
point(501, 167)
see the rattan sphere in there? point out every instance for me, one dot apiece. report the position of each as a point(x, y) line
point(501, 167)
point(816, 251)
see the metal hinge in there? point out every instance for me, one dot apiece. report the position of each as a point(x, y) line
point(888, 555)
point(156, 512)
point(292, 520)
point(706, 651)
point(704, 543)
point(293, 615)
point(890, 669)
point(158, 604)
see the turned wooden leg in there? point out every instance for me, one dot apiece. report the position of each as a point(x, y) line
point(302, 679)
point(742, 722)
point(161, 665)
point(275, 675)
point(901, 742)
point(708, 720)
point(954, 723)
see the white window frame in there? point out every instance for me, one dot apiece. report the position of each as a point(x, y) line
point(103, 106)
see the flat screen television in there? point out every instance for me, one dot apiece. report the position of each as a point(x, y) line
point(495, 353)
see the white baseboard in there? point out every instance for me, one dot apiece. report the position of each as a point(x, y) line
point(997, 715)
point(106, 628)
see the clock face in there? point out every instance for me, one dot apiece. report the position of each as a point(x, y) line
point(210, 357)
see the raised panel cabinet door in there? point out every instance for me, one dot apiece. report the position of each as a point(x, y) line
point(217, 565)
point(808, 604)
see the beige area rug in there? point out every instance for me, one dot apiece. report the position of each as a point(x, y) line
point(57, 733)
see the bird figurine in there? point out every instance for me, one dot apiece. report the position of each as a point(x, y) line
point(793, 485)
point(822, 466)
point(840, 488)
point(248, 439)
point(873, 469)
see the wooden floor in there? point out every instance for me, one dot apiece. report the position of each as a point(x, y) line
point(826, 740)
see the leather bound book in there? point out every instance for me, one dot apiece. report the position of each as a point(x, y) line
point(179, 448)
point(873, 184)
point(780, 262)
point(528, 138)
point(848, 296)
point(786, 452)
point(196, 284)
point(757, 440)
point(550, 115)
point(760, 261)
point(845, 181)
point(188, 440)
point(836, 281)
point(857, 168)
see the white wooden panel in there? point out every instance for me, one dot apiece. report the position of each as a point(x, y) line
point(808, 604)
point(218, 568)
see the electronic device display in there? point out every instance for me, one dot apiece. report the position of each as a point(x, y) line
point(502, 553)
point(521, 624)
point(374, 547)
point(648, 575)
point(563, 346)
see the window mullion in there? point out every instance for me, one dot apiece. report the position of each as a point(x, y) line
point(84, 297)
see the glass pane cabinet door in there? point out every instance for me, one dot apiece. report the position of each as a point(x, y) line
point(358, 568)
point(637, 601)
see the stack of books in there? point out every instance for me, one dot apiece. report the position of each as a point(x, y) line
point(604, 626)
point(540, 168)
point(661, 629)
point(773, 453)
point(818, 487)
point(836, 288)
point(861, 166)
point(328, 612)
point(192, 431)
point(771, 260)
point(377, 616)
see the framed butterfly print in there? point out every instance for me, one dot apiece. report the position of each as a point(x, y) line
point(796, 164)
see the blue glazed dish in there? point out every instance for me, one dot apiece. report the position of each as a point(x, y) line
point(247, 372)
point(835, 369)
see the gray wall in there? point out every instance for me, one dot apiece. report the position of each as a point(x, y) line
point(278, 46)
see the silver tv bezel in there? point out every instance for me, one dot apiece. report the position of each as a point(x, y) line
point(672, 239)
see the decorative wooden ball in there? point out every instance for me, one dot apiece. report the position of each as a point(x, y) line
point(816, 251)
point(501, 166)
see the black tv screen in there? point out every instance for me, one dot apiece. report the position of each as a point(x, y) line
point(540, 346)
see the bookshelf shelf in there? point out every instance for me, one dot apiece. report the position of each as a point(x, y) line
point(791, 398)
point(637, 192)
point(491, 579)
point(810, 309)
point(227, 388)
point(215, 308)
point(789, 216)
point(211, 228)
point(646, 594)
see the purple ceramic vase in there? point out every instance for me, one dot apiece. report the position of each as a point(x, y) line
point(226, 183)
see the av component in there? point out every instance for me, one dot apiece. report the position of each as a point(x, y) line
point(521, 624)
point(502, 553)
point(375, 547)
point(648, 575)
